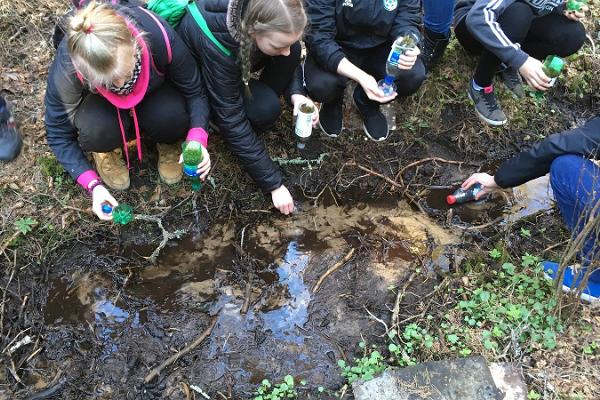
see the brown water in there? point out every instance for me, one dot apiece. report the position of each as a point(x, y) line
point(512, 205)
point(143, 312)
point(203, 276)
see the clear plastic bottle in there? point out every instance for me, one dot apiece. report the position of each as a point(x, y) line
point(192, 156)
point(464, 195)
point(553, 66)
point(401, 45)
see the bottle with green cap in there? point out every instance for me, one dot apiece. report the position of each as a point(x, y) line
point(122, 214)
point(553, 66)
point(575, 5)
point(192, 156)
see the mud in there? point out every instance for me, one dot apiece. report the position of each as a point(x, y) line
point(108, 326)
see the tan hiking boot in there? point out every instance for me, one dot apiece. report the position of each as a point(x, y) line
point(169, 169)
point(112, 169)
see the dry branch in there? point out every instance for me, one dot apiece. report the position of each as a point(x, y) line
point(331, 270)
point(156, 371)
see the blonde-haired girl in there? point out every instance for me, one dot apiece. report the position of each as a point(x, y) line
point(230, 39)
point(118, 72)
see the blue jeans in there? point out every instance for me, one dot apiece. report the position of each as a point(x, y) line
point(438, 15)
point(575, 181)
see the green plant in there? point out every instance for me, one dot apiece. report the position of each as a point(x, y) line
point(25, 225)
point(364, 368)
point(533, 395)
point(591, 348)
point(525, 233)
point(52, 169)
point(495, 254)
point(283, 390)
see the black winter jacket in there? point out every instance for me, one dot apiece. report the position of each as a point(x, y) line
point(536, 161)
point(222, 75)
point(65, 92)
point(357, 24)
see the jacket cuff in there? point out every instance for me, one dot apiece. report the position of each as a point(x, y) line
point(518, 59)
point(198, 135)
point(335, 60)
point(88, 178)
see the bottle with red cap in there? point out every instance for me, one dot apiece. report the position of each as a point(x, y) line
point(464, 195)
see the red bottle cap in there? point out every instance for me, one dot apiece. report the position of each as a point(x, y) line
point(450, 199)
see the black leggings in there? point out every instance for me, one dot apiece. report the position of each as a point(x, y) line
point(162, 117)
point(326, 87)
point(263, 107)
point(539, 37)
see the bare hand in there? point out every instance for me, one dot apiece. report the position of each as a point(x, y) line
point(486, 180)
point(534, 74)
point(282, 200)
point(576, 15)
point(100, 196)
point(203, 167)
point(298, 100)
point(409, 58)
point(371, 88)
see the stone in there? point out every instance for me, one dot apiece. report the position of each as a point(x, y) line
point(459, 379)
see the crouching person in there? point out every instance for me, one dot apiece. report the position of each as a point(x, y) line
point(119, 74)
point(575, 181)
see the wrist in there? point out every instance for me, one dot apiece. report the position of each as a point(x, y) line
point(94, 185)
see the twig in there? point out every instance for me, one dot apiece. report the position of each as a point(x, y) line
point(55, 386)
point(246, 305)
point(9, 241)
point(156, 371)
point(331, 270)
point(370, 171)
point(198, 390)
point(442, 160)
point(399, 298)
point(166, 234)
point(554, 246)
point(16, 35)
point(25, 341)
point(483, 226)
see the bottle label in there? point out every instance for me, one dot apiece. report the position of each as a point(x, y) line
point(304, 121)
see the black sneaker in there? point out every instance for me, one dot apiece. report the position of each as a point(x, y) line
point(10, 139)
point(487, 106)
point(374, 122)
point(331, 118)
point(434, 46)
point(512, 80)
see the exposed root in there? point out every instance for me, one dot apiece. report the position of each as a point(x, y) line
point(331, 270)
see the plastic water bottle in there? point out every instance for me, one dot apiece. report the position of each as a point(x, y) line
point(464, 195)
point(553, 66)
point(192, 156)
point(304, 124)
point(122, 214)
point(399, 47)
point(387, 85)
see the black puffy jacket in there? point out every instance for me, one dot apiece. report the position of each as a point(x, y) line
point(536, 161)
point(65, 91)
point(222, 75)
point(357, 24)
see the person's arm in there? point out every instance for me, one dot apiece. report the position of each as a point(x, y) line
point(63, 96)
point(320, 38)
point(185, 75)
point(482, 22)
point(536, 161)
point(408, 20)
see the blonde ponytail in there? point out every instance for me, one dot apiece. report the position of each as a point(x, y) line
point(95, 33)
point(264, 16)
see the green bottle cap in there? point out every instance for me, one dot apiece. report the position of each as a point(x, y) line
point(574, 5)
point(554, 66)
point(123, 214)
point(192, 153)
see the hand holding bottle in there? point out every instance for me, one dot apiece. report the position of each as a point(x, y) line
point(204, 166)
point(486, 180)
point(298, 100)
point(373, 91)
point(101, 196)
point(408, 59)
point(533, 72)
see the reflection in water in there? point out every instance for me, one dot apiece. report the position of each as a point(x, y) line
point(284, 321)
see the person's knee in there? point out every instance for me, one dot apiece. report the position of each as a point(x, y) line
point(322, 86)
point(410, 82)
point(515, 21)
point(570, 40)
point(263, 108)
point(98, 125)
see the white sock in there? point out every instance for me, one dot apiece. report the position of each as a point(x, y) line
point(476, 86)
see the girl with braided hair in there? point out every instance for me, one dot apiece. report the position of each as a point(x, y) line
point(231, 39)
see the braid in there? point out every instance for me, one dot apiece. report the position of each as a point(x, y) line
point(246, 45)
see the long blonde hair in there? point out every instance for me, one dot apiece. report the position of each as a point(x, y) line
point(94, 35)
point(263, 16)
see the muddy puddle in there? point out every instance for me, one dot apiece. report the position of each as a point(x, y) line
point(131, 319)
